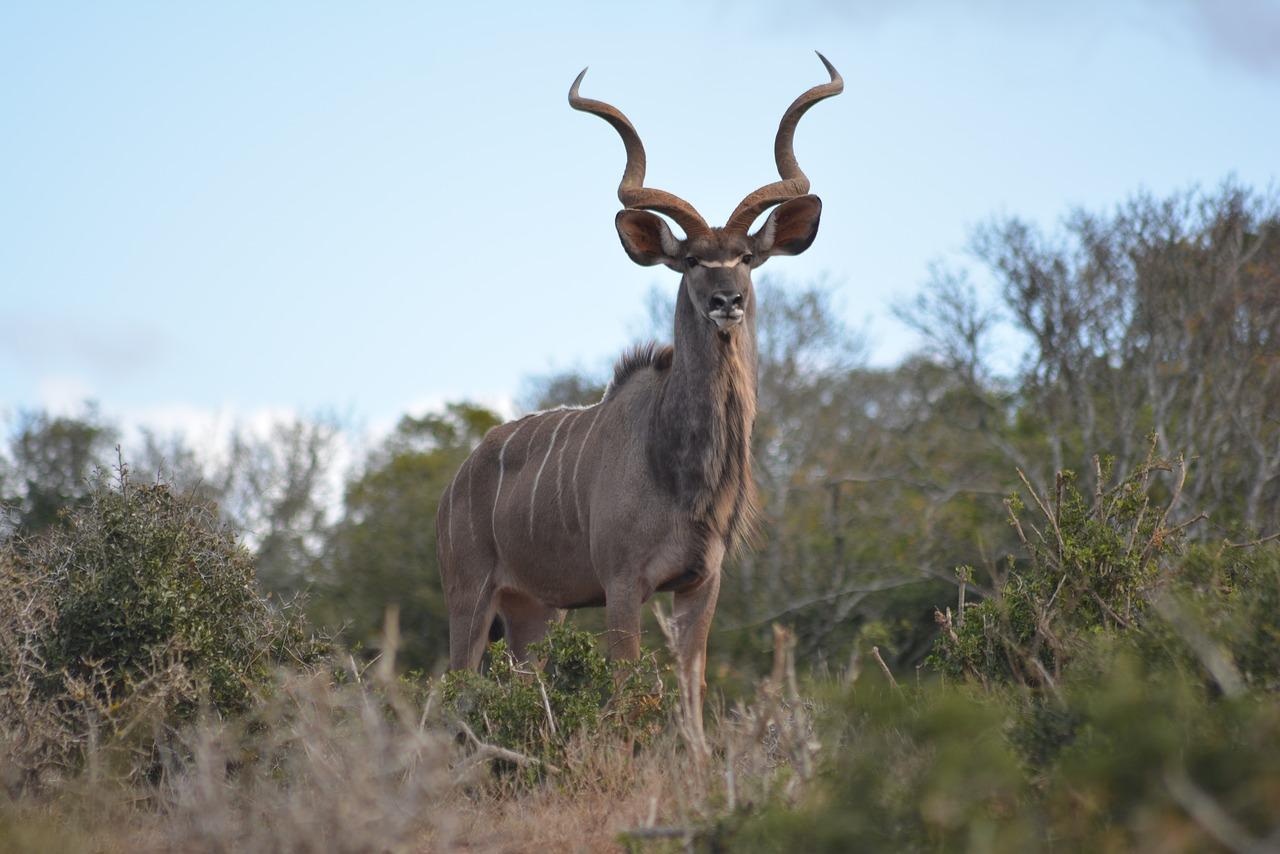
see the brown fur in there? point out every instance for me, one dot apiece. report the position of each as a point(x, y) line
point(652, 485)
point(648, 355)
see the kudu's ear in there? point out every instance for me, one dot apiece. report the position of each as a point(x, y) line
point(790, 229)
point(647, 239)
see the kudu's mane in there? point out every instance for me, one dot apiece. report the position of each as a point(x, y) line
point(730, 499)
point(700, 443)
point(648, 355)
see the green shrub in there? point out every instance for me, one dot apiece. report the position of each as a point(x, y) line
point(1091, 565)
point(121, 623)
point(1116, 693)
point(538, 710)
point(1112, 572)
point(1229, 596)
point(905, 771)
point(1156, 764)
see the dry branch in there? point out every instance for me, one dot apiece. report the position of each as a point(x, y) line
point(875, 653)
point(485, 751)
point(1251, 543)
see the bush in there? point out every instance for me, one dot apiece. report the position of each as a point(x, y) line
point(119, 624)
point(577, 691)
point(1155, 765)
point(1092, 564)
point(1226, 599)
point(1115, 567)
point(1116, 693)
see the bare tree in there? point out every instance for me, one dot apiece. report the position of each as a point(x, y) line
point(1163, 317)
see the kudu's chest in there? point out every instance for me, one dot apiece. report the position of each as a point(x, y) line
point(699, 453)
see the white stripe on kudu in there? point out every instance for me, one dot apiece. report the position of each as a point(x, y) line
point(577, 508)
point(533, 496)
point(564, 522)
point(534, 438)
point(471, 516)
point(502, 467)
point(452, 484)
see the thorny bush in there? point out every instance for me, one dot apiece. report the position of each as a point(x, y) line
point(1092, 563)
point(118, 625)
point(1114, 691)
point(537, 710)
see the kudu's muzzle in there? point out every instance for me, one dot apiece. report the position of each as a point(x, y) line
point(725, 309)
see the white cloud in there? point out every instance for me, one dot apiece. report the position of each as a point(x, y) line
point(206, 430)
point(76, 342)
point(62, 394)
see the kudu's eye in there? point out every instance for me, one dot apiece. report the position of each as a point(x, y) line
point(691, 262)
point(748, 258)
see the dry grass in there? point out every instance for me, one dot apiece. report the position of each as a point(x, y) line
point(673, 791)
point(333, 758)
point(358, 766)
point(608, 790)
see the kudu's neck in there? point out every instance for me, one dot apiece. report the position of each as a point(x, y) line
point(703, 354)
point(700, 442)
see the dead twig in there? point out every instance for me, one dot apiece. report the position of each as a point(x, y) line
point(784, 662)
point(1109, 610)
point(485, 751)
point(1098, 489)
point(944, 620)
point(385, 671)
point(1213, 656)
point(1052, 517)
point(875, 653)
point(1251, 543)
point(1017, 525)
point(546, 702)
point(861, 591)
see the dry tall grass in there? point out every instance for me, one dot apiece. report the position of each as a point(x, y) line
point(355, 764)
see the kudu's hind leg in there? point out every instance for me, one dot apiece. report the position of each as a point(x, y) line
point(471, 612)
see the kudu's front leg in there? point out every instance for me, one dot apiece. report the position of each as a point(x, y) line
point(692, 622)
point(622, 621)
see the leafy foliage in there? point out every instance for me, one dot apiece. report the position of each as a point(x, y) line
point(1154, 765)
point(1091, 565)
point(1114, 693)
point(51, 467)
point(576, 692)
point(141, 602)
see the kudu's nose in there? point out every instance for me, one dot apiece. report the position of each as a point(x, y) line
point(726, 300)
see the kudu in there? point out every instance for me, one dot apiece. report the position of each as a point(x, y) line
point(647, 489)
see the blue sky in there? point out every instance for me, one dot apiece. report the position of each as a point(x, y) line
point(241, 208)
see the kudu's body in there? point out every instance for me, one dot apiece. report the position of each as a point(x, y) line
point(646, 490)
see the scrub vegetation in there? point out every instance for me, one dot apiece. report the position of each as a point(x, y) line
point(999, 604)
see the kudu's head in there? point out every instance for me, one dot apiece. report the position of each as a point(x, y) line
point(717, 262)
